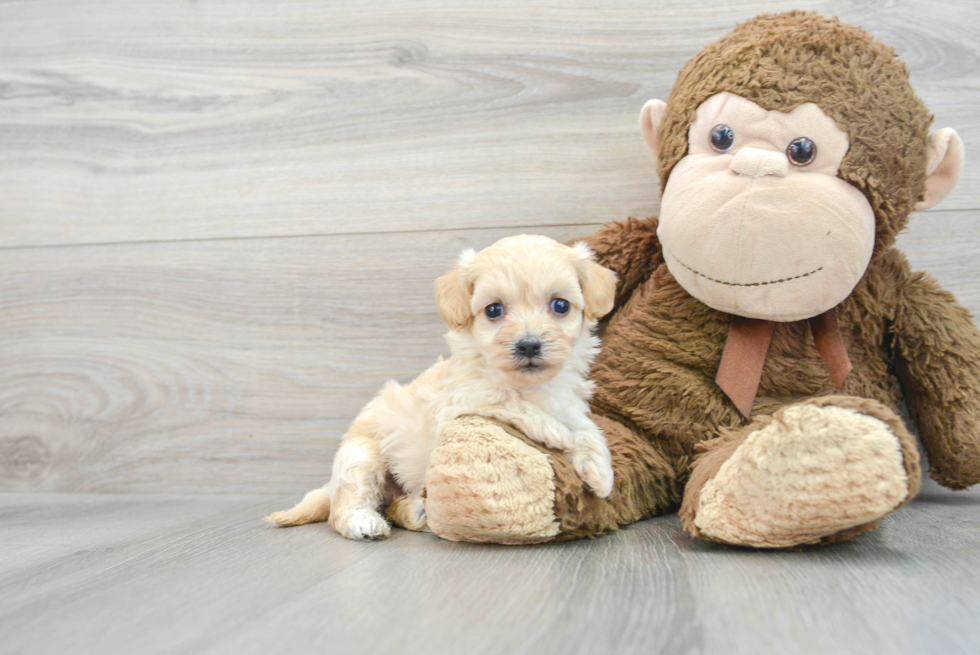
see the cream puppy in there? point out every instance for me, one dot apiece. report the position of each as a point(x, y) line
point(522, 314)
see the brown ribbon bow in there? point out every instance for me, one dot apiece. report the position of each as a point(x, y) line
point(745, 355)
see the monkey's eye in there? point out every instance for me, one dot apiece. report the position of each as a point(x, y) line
point(560, 306)
point(722, 138)
point(801, 151)
point(494, 310)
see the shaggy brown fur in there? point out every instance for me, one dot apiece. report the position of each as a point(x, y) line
point(656, 395)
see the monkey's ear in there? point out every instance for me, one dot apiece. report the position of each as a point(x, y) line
point(453, 293)
point(650, 117)
point(598, 283)
point(944, 163)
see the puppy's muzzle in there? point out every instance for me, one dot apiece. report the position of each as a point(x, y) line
point(527, 348)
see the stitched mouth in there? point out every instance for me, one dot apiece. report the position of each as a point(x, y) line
point(745, 284)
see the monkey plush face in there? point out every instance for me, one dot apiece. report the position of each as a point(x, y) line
point(754, 220)
point(791, 152)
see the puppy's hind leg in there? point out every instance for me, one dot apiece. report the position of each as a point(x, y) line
point(357, 486)
point(408, 511)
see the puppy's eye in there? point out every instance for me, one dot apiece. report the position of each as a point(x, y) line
point(722, 138)
point(494, 310)
point(560, 306)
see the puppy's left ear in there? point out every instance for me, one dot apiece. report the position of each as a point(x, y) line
point(598, 283)
point(453, 293)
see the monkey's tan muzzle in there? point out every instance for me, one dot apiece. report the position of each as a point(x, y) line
point(756, 162)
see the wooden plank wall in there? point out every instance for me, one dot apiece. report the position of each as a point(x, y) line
point(220, 221)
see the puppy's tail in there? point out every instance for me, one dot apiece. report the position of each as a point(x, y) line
point(314, 507)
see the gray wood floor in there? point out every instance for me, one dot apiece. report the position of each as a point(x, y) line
point(84, 573)
point(219, 226)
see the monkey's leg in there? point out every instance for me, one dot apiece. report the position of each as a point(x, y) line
point(488, 483)
point(817, 471)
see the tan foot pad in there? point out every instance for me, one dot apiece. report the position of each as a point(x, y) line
point(813, 472)
point(485, 485)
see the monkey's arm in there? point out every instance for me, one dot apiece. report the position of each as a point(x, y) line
point(631, 249)
point(938, 356)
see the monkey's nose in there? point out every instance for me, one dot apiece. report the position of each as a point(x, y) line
point(756, 162)
point(527, 348)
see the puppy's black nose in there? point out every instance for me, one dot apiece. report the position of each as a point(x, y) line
point(527, 348)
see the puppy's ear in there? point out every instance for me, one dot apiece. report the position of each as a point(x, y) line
point(453, 293)
point(598, 283)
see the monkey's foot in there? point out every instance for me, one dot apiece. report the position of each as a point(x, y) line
point(823, 470)
point(488, 482)
point(485, 485)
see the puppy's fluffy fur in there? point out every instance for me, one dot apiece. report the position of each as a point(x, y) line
point(526, 366)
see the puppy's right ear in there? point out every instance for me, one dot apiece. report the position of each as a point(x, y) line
point(598, 283)
point(453, 293)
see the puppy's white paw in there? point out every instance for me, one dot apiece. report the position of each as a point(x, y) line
point(363, 525)
point(554, 435)
point(596, 470)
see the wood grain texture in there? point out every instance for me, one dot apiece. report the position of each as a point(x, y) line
point(237, 365)
point(191, 120)
point(201, 574)
point(275, 186)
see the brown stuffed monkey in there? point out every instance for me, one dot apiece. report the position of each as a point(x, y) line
point(765, 330)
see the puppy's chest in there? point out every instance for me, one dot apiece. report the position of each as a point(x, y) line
point(561, 403)
point(540, 397)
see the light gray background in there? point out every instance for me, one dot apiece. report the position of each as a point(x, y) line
point(219, 227)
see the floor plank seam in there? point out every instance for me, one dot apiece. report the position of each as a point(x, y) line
point(317, 235)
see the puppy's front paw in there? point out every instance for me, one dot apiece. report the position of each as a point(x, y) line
point(595, 469)
point(553, 435)
point(362, 525)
